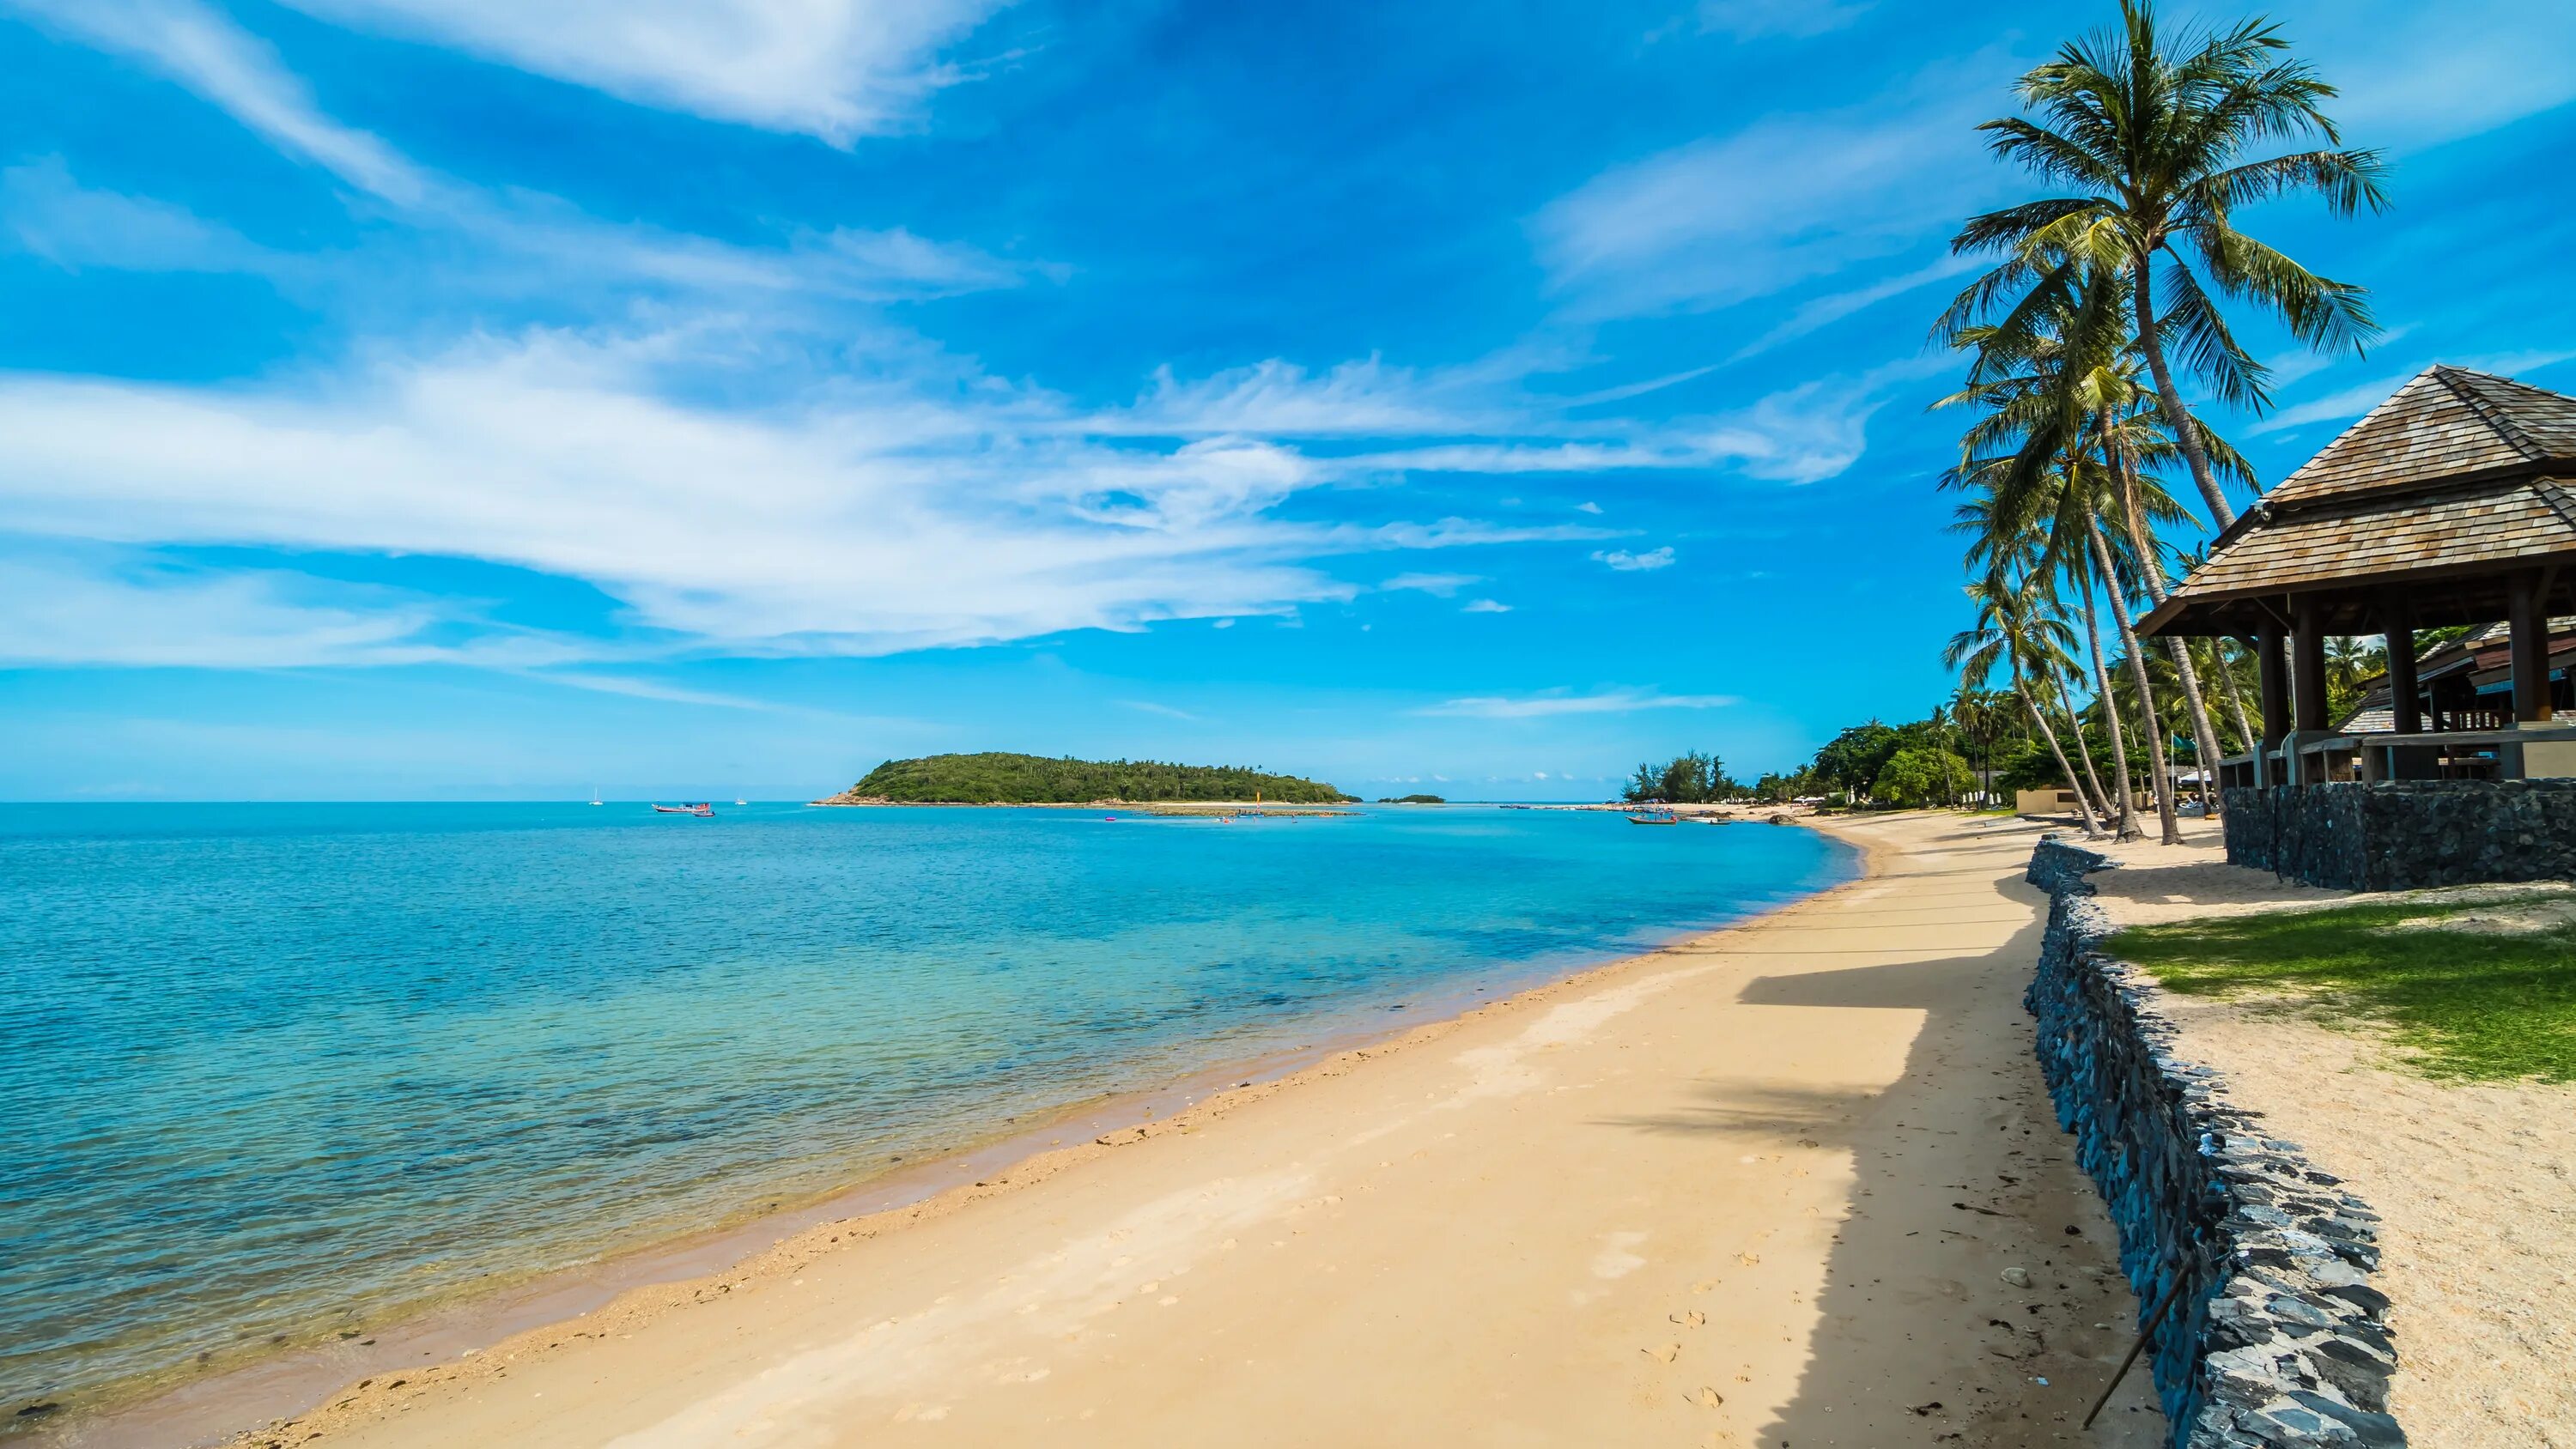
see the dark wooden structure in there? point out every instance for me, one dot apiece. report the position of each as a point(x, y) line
point(2453, 502)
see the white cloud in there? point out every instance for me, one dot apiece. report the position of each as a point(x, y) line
point(1282, 399)
point(91, 606)
point(1484, 606)
point(1626, 562)
point(1587, 507)
point(521, 241)
point(1539, 706)
point(196, 46)
point(856, 520)
point(1165, 710)
point(49, 214)
point(1729, 218)
point(837, 69)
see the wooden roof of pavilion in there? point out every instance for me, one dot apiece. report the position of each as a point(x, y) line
point(2453, 484)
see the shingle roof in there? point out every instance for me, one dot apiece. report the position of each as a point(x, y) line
point(2484, 523)
point(2454, 481)
point(2446, 422)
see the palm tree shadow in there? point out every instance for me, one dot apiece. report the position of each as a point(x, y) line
point(1959, 1170)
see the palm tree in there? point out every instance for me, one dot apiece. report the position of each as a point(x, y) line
point(2011, 631)
point(2148, 134)
point(2047, 390)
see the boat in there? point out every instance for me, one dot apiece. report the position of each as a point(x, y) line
point(1653, 817)
point(703, 807)
point(594, 794)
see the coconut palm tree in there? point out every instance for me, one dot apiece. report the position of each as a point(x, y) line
point(2011, 630)
point(2148, 133)
point(2008, 553)
point(2035, 451)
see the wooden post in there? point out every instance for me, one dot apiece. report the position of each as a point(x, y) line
point(2308, 664)
point(2273, 666)
point(2405, 694)
point(2529, 649)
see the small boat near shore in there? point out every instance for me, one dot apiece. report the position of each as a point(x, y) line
point(703, 807)
point(1653, 817)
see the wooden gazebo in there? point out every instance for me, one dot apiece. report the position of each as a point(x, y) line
point(2453, 502)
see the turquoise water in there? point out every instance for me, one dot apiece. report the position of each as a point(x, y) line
point(271, 1069)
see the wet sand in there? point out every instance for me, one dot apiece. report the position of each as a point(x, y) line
point(1758, 1187)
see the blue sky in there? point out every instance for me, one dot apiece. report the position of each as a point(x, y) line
point(469, 398)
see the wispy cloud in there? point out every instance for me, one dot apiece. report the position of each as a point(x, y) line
point(1625, 562)
point(837, 69)
point(2358, 398)
point(1760, 19)
point(49, 214)
point(1165, 710)
point(1787, 198)
point(1484, 606)
point(2414, 76)
point(195, 45)
point(1824, 311)
point(1437, 585)
point(522, 240)
point(84, 605)
point(1540, 706)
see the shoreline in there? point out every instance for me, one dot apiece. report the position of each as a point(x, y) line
point(1784, 1115)
point(229, 1405)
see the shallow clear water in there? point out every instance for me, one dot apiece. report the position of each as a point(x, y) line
point(265, 1069)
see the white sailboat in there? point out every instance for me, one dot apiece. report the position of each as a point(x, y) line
point(594, 794)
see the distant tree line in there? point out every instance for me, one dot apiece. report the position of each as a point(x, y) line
point(1688, 779)
point(1977, 748)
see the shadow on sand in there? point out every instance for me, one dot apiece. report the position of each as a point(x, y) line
point(1961, 1173)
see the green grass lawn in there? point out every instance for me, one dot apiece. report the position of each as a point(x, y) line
point(2468, 1005)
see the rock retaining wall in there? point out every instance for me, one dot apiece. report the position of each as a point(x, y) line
point(2406, 834)
point(2275, 1337)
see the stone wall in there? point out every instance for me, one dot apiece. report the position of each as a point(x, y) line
point(2275, 1337)
point(2406, 834)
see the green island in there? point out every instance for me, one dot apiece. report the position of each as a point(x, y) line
point(995, 778)
point(1411, 800)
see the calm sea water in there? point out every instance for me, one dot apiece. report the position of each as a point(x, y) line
point(268, 1069)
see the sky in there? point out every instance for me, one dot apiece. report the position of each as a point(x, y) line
point(430, 399)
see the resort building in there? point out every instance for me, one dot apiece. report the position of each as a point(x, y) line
point(2452, 503)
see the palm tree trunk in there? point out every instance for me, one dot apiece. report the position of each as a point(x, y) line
point(2186, 428)
point(2075, 787)
point(2126, 811)
point(2169, 830)
point(2100, 800)
point(2235, 694)
point(2151, 572)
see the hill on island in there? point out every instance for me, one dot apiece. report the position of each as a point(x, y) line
point(1002, 779)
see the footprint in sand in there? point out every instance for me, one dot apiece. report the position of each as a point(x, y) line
point(1710, 1398)
point(1692, 1319)
point(1666, 1354)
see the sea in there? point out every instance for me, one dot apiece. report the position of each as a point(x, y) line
point(271, 1073)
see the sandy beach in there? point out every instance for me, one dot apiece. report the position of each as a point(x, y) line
point(1789, 1183)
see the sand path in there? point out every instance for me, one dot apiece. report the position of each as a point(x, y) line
point(1760, 1188)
